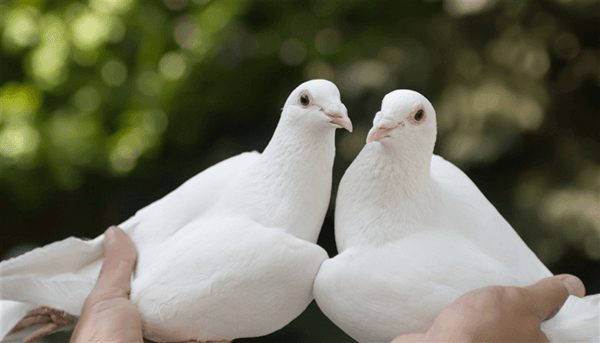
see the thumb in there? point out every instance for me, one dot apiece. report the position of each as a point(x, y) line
point(119, 261)
point(549, 294)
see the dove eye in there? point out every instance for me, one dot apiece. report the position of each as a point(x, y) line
point(305, 99)
point(417, 116)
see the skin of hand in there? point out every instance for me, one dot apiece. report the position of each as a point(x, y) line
point(501, 314)
point(108, 315)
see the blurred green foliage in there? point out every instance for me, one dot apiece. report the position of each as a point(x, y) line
point(106, 105)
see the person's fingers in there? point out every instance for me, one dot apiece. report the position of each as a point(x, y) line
point(573, 283)
point(549, 294)
point(119, 261)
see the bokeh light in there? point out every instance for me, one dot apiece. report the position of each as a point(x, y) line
point(216, 16)
point(172, 66)
point(114, 73)
point(457, 8)
point(87, 99)
point(89, 30)
point(18, 102)
point(319, 70)
point(18, 139)
point(20, 29)
point(175, 5)
point(48, 61)
point(327, 41)
point(292, 52)
point(74, 136)
point(140, 133)
point(363, 75)
point(113, 7)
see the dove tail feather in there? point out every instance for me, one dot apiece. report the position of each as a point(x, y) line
point(11, 314)
point(65, 292)
point(45, 276)
point(577, 321)
point(64, 256)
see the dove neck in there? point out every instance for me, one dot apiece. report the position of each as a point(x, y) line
point(405, 169)
point(293, 142)
point(294, 190)
point(381, 194)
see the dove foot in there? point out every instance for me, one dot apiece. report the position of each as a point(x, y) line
point(51, 318)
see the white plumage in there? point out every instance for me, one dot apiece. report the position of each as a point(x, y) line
point(414, 233)
point(228, 254)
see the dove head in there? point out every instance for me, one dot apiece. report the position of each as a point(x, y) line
point(317, 102)
point(406, 121)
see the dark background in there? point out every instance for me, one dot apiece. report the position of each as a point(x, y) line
point(105, 107)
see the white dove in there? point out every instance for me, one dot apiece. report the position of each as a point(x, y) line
point(414, 233)
point(228, 254)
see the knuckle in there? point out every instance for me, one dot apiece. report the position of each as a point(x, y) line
point(514, 294)
point(497, 297)
point(484, 297)
point(498, 293)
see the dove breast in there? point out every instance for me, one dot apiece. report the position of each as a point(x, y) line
point(373, 293)
point(255, 281)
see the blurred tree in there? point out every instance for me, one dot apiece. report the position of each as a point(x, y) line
point(105, 106)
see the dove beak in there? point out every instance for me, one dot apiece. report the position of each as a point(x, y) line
point(339, 116)
point(382, 131)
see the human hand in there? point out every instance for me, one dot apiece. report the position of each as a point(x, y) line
point(108, 315)
point(501, 314)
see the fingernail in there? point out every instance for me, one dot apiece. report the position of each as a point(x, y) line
point(573, 284)
point(109, 236)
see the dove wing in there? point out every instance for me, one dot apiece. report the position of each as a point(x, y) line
point(62, 274)
point(247, 279)
point(158, 221)
point(471, 213)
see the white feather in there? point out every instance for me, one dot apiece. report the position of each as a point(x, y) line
point(228, 254)
point(414, 233)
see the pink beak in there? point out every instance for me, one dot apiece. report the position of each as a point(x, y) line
point(381, 131)
point(339, 116)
